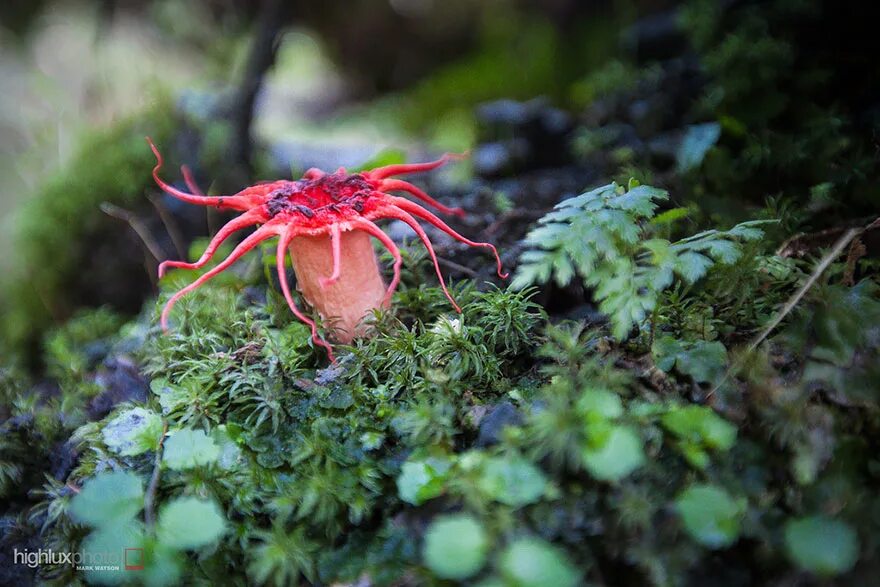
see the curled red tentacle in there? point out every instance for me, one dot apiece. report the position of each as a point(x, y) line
point(261, 234)
point(399, 184)
point(420, 212)
point(190, 181)
point(280, 255)
point(221, 202)
point(403, 168)
point(390, 211)
point(249, 218)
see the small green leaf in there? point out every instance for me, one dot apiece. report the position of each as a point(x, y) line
point(710, 515)
point(530, 562)
point(697, 141)
point(187, 448)
point(821, 545)
point(600, 403)
point(692, 266)
point(704, 361)
point(133, 432)
point(108, 499)
point(189, 523)
point(512, 481)
point(229, 454)
point(422, 480)
point(163, 566)
point(620, 453)
point(701, 425)
point(455, 547)
point(381, 159)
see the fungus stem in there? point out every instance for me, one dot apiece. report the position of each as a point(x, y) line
point(354, 293)
point(280, 253)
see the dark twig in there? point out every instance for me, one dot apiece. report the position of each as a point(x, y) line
point(456, 267)
point(137, 225)
point(271, 21)
point(150, 498)
point(829, 258)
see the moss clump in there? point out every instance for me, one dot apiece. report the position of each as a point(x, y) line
point(65, 257)
point(561, 453)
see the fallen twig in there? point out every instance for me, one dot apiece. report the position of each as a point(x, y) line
point(150, 498)
point(829, 258)
point(140, 229)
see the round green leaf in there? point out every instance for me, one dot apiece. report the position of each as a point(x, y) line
point(821, 545)
point(512, 481)
point(164, 567)
point(618, 454)
point(188, 523)
point(530, 562)
point(710, 515)
point(188, 448)
point(455, 547)
point(700, 425)
point(133, 432)
point(108, 498)
point(600, 403)
point(422, 480)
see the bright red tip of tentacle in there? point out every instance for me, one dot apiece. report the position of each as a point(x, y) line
point(405, 186)
point(249, 218)
point(390, 211)
point(420, 212)
point(403, 168)
point(280, 255)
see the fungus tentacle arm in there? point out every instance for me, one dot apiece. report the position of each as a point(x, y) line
point(405, 186)
point(336, 250)
point(280, 255)
point(236, 202)
point(403, 168)
point(359, 288)
point(426, 215)
point(398, 214)
point(190, 181)
point(249, 218)
point(261, 234)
